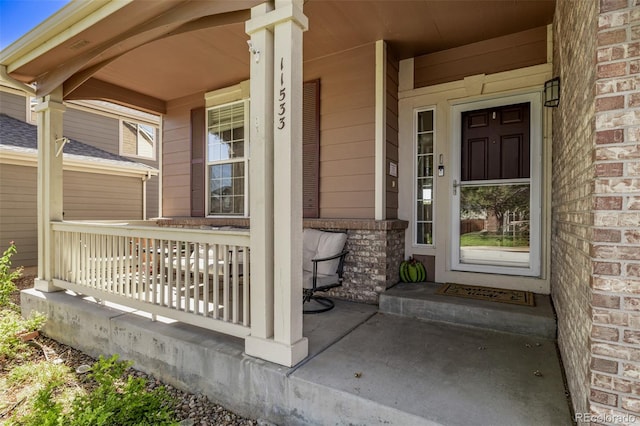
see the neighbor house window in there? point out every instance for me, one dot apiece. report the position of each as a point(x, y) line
point(227, 158)
point(138, 139)
point(424, 140)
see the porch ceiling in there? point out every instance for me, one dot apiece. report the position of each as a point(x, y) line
point(165, 50)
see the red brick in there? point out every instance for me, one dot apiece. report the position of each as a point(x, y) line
point(633, 269)
point(609, 5)
point(606, 38)
point(605, 301)
point(634, 67)
point(611, 317)
point(617, 69)
point(606, 268)
point(634, 99)
point(605, 333)
point(631, 404)
point(605, 398)
point(633, 203)
point(635, 32)
point(608, 203)
point(632, 236)
point(607, 235)
point(604, 365)
point(632, 337)
point(610, 136)
point(609, 103)
point(609, 169)
point(631, 370)
point(631, 304)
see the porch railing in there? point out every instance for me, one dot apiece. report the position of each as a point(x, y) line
point(200, 277)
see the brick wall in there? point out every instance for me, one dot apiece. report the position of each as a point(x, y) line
point(596, 206)
point(573, 140)
point(615, 240)
point(376, 249)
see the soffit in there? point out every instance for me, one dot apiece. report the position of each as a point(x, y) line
point(211, 58)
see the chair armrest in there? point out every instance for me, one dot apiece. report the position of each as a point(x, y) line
point(344, 253)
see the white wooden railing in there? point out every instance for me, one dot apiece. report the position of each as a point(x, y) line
point(200, 277)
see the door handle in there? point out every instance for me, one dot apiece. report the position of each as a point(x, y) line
point(455, 187)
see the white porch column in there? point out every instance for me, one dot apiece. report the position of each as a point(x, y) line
point(261, 176)
point(49, 183)
point(286, 345)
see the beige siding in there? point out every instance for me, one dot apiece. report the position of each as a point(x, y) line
point(13, 105)
point(505, 53)
point(176, 153)
point(101, 197)
point(347, 137)
point(93, 129)
point(18, 209)
point(347, 132)
point(86, 196)
point(102, 131)
point(392, 134)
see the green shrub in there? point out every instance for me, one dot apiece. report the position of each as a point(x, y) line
point(116, 400)
point(7, 278)
point(11, 322)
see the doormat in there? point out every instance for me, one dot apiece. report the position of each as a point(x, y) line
point(516, 297)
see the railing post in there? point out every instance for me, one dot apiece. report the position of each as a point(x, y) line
point(50, 143)
point(286, 20)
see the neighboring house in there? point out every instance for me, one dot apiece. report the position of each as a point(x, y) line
point(425, 134)
point(99, 185)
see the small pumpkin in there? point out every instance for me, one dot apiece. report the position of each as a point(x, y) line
point(412, 271)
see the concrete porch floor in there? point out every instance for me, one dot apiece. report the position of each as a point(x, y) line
point(364, 367)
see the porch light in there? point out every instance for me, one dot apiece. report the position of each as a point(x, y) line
point(552, 92)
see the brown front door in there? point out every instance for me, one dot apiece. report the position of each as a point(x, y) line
point(495, 188)
point(495, 143)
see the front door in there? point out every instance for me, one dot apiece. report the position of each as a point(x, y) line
point(492, 192)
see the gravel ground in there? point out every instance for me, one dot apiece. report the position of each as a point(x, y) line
point(191, 409)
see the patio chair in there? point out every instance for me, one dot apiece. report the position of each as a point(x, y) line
point(323, 262)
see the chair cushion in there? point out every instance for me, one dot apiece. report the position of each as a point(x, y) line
point(324, 244)
point(310, 240)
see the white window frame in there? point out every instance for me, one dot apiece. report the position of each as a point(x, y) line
point(244, 159)
point(535, 200)
point(414, 222)
point(154, 148)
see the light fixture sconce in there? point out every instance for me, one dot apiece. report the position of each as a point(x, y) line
point(552, 92)
point(254, 51)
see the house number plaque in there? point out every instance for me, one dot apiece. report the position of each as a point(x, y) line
point(282, 110)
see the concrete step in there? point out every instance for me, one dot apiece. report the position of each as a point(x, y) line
point(419, 300)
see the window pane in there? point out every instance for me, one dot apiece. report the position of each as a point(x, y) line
point(226, 185)
point(225, 127)
point(424, 198)
point(138, 139)
point(425, 121)
point(494, 225)
point(425, 233)
point(425, 143)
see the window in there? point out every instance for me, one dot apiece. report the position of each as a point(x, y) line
point(424, 131)
point(138, 139)
point(227, 157)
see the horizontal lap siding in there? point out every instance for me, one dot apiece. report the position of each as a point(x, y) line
point(86, 196)
point(18, 211)
point(101, 197)
point(93, 129)
point(103, 132)
point(13, 105)
point(347, 132)
point(176, 152)
point(505, 53)
point(392, 135)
